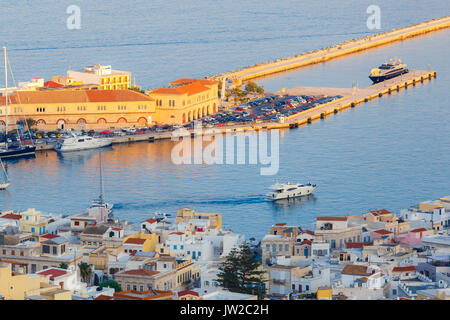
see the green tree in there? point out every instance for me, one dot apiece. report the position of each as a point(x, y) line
point(240, 272)
point(111, 284)
point(136, 88)
point(85, 271)
point(63, 265)
point(251, 86)
point(30, 122)
point(260, 90)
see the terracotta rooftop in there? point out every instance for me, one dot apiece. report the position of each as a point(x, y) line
point(403, 269)
point(419, 230)
point(185, 292)
point(53, 84)
point(306, 242)
point(135, 241)
point(380, 212)
point(50, 236)
point(74, 96)
point(140, 272)
point(103, 297)
point(355, 270)
point(191, 80)
point(11, 216)
point(177, 233)
point(151, 220)
point(332, 218)
point(356, 245)
point(189, 89)
point(383, 231)
point(53, 272)
point(144, 295)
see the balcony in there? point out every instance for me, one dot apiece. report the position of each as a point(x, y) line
point(279, 281)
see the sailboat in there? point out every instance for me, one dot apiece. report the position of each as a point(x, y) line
point(100, 202)
point(4, 184)
point(8, 151)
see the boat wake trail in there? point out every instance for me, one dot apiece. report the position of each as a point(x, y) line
point(189, 203)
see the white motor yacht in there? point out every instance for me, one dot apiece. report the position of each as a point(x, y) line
point(289, 190)
point(74, 142)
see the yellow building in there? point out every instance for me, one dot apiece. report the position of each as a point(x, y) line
point(79, 109)
point(141, 241)
point(103, 75)
point(324, 293)
point(185, 100)
point(32, 222)
point(100, 257)
point(28, 286)
point(186, 214)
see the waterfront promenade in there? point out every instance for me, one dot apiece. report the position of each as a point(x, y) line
point(325, 54)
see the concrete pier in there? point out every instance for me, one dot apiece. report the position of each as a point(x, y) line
point(325, 54)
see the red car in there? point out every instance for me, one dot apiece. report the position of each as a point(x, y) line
point(105, 132)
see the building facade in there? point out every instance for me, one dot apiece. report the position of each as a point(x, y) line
point(79, 109)
point(185, 100)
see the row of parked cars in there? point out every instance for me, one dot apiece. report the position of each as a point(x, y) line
point(269, 108)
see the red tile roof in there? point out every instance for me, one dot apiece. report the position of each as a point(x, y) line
point(185, 292)
point(53, 273)
point(280, 224)
point(355, 270)
point(117, 229)
point(151, 220)
point(50, 236)
point(380, 212)
point(14, 262)
point(135, 241)
point(306, 242)
point(11, 216)
point(74, 96)
point(189, 89)
point(419, 230)
point(177, 233)
point(140, 272)
point(356, 245)
point(190, 80)
point(332, 218)
point(309, 232)
point(103, 297)
point(403, 269)
point(144, 295)
point(53, 84)
point(383, 231)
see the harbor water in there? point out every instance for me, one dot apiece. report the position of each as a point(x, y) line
point(389, 153)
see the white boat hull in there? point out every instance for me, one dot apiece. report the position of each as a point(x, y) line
point(3, 186)
point(74, 144)
point(297, 192)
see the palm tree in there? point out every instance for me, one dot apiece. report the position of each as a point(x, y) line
point(85, 272)
point(63, 265)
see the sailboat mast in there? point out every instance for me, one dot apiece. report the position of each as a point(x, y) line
point(6, 94)
point(4, 170)
point(101, 178)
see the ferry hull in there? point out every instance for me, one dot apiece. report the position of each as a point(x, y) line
point(381, 78)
